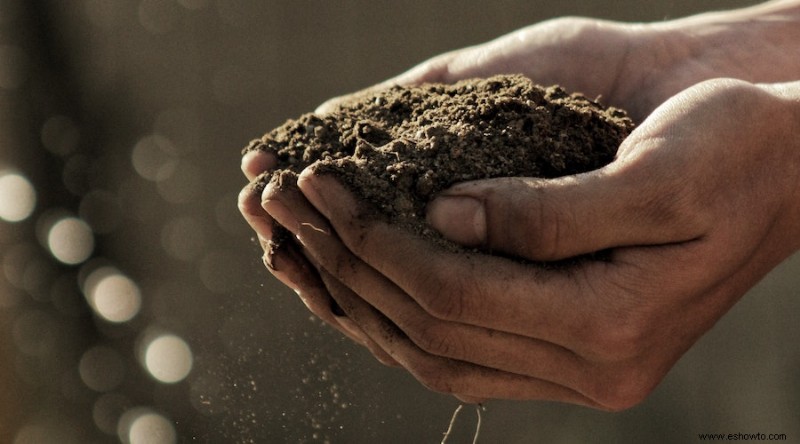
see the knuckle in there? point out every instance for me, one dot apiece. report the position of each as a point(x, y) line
point(620, 339)
point(248, 200)
point(546, 222)
point(355, 232)
point(434, 377)
point(432, 337)
point(442, 293)
point(625, 389)
point(678, 207)
point(448, 306)
point(344, 266)
point(548, 227)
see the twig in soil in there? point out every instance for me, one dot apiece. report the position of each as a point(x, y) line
point(452, 421)
point(314, 228)
point(478, 409)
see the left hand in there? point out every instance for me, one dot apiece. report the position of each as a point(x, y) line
point(699, 205)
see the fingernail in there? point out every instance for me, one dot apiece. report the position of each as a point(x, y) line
point(256, 162)
point(306, 185)
point(281, 214)
point(459, 218)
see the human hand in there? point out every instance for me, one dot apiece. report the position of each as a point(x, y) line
point(657, 61)
point(633, 66)
point(699, 205)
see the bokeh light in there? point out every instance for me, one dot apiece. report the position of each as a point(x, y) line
point(185, 185)
point(107, 410)
point(141, 425)
point(60, 135)
point(70, 240)
point(168, 358)
point(17, 197)
point(154, 158)
point(101, 368)
point(112, 295)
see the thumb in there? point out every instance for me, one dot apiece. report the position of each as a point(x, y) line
point(552, 219)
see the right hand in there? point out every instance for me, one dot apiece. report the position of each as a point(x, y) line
point(633, 66)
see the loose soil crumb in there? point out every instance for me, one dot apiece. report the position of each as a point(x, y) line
point(399, 147)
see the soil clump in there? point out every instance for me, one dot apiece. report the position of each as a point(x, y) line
point(397, 148)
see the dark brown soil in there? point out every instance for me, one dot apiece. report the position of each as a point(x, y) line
point(399, 147)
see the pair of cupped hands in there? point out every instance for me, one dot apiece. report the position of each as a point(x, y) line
point(699, 204)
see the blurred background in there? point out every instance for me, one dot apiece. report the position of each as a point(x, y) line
point(134, 306)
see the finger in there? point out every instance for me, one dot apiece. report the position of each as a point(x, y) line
point(251, 209)
point(290, 266)
point(478, 289)
point(620, 205)
point(256, 162)
point(490, 348)
point(442, 374)
point(284, 260)
point(607, 329)
point(298, 272)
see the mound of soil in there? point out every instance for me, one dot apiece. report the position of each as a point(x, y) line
point(397, 148)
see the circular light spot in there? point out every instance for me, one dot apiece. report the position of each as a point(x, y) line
point(107, 411)
point(183, 186)
point(70, 240)
point(17, 197)
point(183, 238)
point(60, 135)
point(101, 369)
point(205, 394)
point(168, 358)
point(154, 158)
point(16, 259)
point(144, 426)
point(112, 295)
